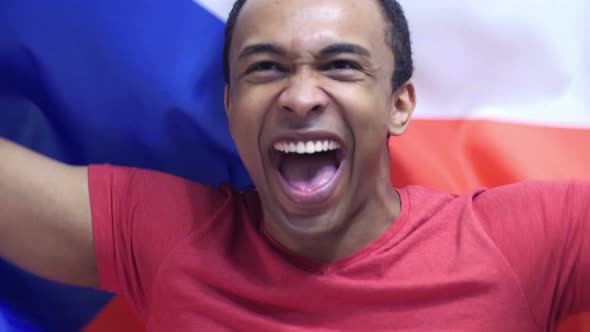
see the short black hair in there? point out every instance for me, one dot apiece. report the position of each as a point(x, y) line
point(397, 35)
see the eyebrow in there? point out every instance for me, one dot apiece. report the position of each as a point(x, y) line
point(328, 50)
point(262, 48)
point(345, 48)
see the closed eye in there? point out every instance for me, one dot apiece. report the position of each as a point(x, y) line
point(265, 66)
point(341, 65)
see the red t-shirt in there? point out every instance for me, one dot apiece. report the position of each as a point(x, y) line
point(193, 258)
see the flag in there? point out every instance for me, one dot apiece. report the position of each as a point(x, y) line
point(501, 98)
point(123, 82)
point(11, 320)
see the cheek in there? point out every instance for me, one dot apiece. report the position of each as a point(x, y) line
point(244, 130)
point(246, 118)
point(246, 115)
point(251, 106)
point(366, 111)
point(366, 114)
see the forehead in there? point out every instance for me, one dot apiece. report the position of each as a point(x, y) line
point(307, 25)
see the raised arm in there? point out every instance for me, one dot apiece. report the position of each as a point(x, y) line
point(45, 220)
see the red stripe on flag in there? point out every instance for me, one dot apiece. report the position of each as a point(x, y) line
point(117, 316)
point(458, 155)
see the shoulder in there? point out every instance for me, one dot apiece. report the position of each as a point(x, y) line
point(521, 202)
point(425, 205)
point(533, 213)
point(532, 198)
point(164, 202)
point(423, 197)
point(145, 184)
point(538, 226)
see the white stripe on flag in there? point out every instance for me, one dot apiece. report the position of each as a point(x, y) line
point(522, 61)
point(220, 8)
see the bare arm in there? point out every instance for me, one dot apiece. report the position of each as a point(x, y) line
point(45, 220)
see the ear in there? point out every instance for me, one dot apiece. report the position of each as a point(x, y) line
point(403, 106)
point(226, 99)
point(227, 104)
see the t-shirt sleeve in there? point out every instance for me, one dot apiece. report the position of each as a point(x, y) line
point(138, 217)
point(543, 231)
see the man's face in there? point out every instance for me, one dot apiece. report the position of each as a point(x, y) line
point(310, 104)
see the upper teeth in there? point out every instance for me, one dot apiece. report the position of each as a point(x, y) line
point(309, 147)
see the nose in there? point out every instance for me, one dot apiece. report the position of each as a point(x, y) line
point(303, 96)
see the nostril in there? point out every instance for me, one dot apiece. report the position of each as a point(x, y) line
point(304, 110)
point(316, 108)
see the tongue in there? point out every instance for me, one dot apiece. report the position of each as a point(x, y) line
point(308, 173)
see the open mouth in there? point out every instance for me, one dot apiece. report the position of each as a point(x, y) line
point(308, 170)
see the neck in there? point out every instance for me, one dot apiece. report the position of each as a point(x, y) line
point(369, 220)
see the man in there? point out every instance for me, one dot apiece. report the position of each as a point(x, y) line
point(314, 89)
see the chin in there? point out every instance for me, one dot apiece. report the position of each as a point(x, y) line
point(302, 226)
